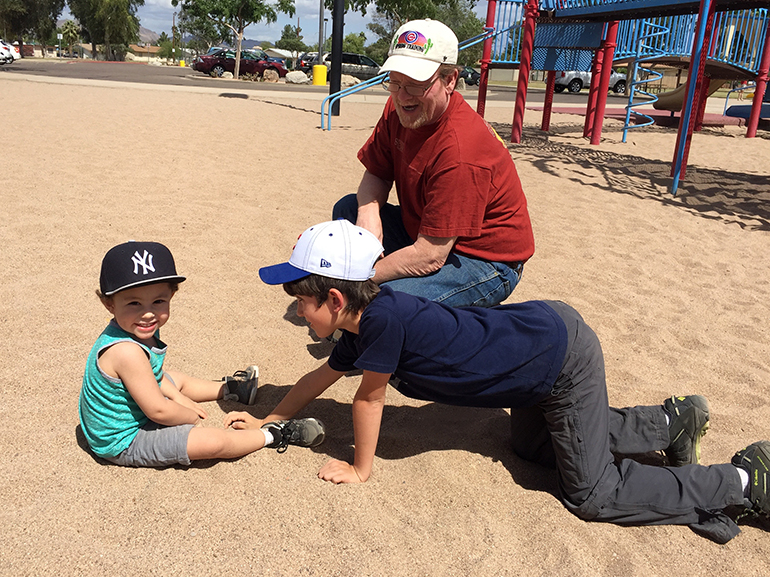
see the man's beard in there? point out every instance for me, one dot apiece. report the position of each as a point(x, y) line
point(412, 122)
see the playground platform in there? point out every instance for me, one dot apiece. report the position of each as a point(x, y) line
point(661, 117)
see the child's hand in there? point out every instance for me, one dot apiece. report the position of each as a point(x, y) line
point(190, 404)
point(339, 472)
point(241, 420)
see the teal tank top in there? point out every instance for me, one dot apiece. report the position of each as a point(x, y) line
point(109, 416)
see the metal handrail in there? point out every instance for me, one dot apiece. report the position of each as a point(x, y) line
point(739, 89)
point(332, 98)
point(647, 32)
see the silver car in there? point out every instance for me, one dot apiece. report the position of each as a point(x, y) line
point(575, 81)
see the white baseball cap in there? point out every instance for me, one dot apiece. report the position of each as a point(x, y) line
point(336, 249)
point(419, 47)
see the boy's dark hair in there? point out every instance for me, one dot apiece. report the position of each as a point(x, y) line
point(358, 293)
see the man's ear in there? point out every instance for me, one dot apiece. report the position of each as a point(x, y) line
point(336, 300)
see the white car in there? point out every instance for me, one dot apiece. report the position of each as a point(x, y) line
point(575, 81)
point(8, 52)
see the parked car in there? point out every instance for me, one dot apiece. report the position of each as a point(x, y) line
point(253, 61)
point(358, 65)
point(470, 76)
point(575, 81)
point(8, 52)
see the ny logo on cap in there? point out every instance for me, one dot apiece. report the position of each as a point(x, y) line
point(144, 261)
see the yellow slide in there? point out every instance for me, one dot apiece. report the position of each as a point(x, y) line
point(674, 99)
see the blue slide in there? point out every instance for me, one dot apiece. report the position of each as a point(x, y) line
point(744, 110)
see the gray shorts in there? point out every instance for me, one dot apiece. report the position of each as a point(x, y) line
point(156, 446)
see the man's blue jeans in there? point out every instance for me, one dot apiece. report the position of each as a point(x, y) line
point(462, 281)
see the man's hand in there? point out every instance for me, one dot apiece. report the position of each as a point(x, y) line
point(242, 420)
point(339, 472)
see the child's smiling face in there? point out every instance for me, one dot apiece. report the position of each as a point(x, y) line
point(141, 311)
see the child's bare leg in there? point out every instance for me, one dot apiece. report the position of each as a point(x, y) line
point(210, 443)
point(198, 390)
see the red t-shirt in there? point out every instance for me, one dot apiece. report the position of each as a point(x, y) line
point(454, 178)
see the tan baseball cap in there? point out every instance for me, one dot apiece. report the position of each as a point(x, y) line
point(419, 47)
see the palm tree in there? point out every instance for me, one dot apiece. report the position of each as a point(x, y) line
point(70, 33)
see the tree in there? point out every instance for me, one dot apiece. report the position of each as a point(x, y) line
point(109, 22)
point(91, 28)
point(203, 33)
point(236, 15)
point(465, 24)
point(121, 26)
point(36, 18)
point(291, 39)
point(457, 14)
point(166, 49)
point(162, 39)
point(70, 33)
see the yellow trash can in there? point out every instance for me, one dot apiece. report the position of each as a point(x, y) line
point(181, 63)
point(319, 75)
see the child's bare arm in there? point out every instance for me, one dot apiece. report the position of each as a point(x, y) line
point(367, 416)
point(128, 362)
point(173, 392)
point(307, 388)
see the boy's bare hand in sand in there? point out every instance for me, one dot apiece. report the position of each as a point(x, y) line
point(242, 420)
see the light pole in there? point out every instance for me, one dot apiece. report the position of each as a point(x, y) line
point(321, 32)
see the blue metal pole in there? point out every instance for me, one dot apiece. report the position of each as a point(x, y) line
point(684, 120)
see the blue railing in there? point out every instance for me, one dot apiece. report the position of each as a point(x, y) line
point(328, 102)
point(737, 39)
point(509, 20)
point(648, 34)
point(332, 98)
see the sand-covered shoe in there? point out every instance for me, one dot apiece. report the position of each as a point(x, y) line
point(689, 422)
point(242, 386)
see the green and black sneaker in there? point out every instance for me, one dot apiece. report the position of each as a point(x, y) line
point(755, 459)
point(689, 422)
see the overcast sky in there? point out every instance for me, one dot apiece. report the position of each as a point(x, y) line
point(157, 15)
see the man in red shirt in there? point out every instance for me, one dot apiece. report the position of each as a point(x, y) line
point(461, 232)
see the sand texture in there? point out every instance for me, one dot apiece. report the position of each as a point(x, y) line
point(677, 288)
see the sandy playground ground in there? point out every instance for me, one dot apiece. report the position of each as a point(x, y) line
point(677, 289)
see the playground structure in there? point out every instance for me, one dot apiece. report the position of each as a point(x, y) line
point(715, 39)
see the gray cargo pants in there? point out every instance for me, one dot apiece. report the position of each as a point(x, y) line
point(575, 429)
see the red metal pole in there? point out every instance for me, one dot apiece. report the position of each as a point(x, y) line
point(548, 105)
point(525, 65)
point(593, 92)
point(486, 58)
point(704, 96)
point(759, 91)
point(601, 103)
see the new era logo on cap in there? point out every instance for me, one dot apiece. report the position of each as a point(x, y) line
point(133, 264)
point(335, 249)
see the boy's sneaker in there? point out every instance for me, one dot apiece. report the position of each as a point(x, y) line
point(302, 432)
point(689, 422)
point(755, 459)
point(242, 386)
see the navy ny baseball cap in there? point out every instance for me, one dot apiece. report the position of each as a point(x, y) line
point(134, 264)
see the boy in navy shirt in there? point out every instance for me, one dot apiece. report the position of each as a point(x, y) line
point(537, 358)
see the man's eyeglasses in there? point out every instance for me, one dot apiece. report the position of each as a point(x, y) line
point(410, 89)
